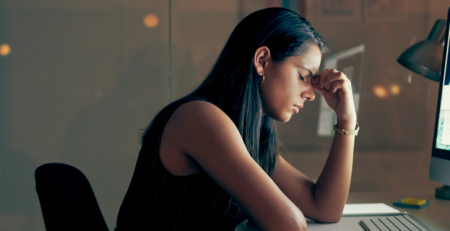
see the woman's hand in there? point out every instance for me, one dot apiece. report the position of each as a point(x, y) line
point(336, 88)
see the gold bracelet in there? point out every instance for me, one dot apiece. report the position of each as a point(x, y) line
point(346, 132)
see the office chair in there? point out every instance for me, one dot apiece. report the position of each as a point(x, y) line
point(67, 200)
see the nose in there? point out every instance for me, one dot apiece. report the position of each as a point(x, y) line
point(308, 94)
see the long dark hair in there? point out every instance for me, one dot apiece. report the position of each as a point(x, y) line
point(234, 86)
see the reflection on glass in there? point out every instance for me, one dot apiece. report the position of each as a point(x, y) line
point(98, 95)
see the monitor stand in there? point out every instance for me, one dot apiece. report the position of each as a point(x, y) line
point(443, 192)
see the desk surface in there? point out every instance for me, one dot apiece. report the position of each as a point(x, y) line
point(437, 215)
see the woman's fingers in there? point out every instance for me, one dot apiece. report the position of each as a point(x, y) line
point(337, 82)
point(331, 79)
point(323, 77)
point(337, 85)
point(335, 76)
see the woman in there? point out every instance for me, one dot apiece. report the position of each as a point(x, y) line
point(210, 160)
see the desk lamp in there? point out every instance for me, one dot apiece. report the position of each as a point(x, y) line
point(425, 58)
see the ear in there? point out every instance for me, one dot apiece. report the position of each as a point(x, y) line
point(262, 56)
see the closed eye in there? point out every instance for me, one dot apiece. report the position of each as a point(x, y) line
point(301, 77)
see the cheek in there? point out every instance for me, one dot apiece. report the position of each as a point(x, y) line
point(285, 90)
point(269, 97)
point(278, 97)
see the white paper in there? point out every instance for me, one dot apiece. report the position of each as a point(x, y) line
point(369, 209)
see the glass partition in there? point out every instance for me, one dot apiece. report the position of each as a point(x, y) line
point(79, 80)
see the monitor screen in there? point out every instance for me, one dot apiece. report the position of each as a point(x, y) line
point(443, 124)
point(442, 136)
point(440, 155)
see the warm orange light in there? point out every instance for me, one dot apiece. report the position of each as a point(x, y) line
point(5, 49)
point(380, 91)
point(151, 20)
point(395, 89)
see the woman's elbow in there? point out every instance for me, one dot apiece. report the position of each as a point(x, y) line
point(299, 221)
point(294, 221)
point(329, 218)
point(296, 225)
point(332, 220)
point(302, 226)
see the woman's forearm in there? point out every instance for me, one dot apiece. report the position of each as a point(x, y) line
point(332, 187)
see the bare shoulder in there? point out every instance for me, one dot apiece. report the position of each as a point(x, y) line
point(181, 131)
point(200, 111)
point(199, 104)
point(197, 120)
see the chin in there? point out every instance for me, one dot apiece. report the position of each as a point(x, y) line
point(282, 118)
point(286, 120)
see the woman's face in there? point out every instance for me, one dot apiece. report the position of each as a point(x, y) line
point(287, 84)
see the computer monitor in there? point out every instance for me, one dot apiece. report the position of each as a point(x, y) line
point(440, 155)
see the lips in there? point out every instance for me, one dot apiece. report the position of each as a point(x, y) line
point(297, 108)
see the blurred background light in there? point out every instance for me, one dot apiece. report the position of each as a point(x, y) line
point(380, 92)
point(395, 89)
point(5, 49)
point(151, 20)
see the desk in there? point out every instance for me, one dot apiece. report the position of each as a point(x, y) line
point(437, 215)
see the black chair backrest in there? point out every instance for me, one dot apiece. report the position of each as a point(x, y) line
point(67, 200)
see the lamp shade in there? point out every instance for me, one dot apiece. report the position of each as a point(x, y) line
point(425, 58)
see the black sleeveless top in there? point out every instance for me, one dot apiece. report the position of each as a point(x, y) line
point(158, 200)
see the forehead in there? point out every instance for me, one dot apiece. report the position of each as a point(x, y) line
point(310, 59)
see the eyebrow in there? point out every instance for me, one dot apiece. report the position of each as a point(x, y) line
point(310, 73)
